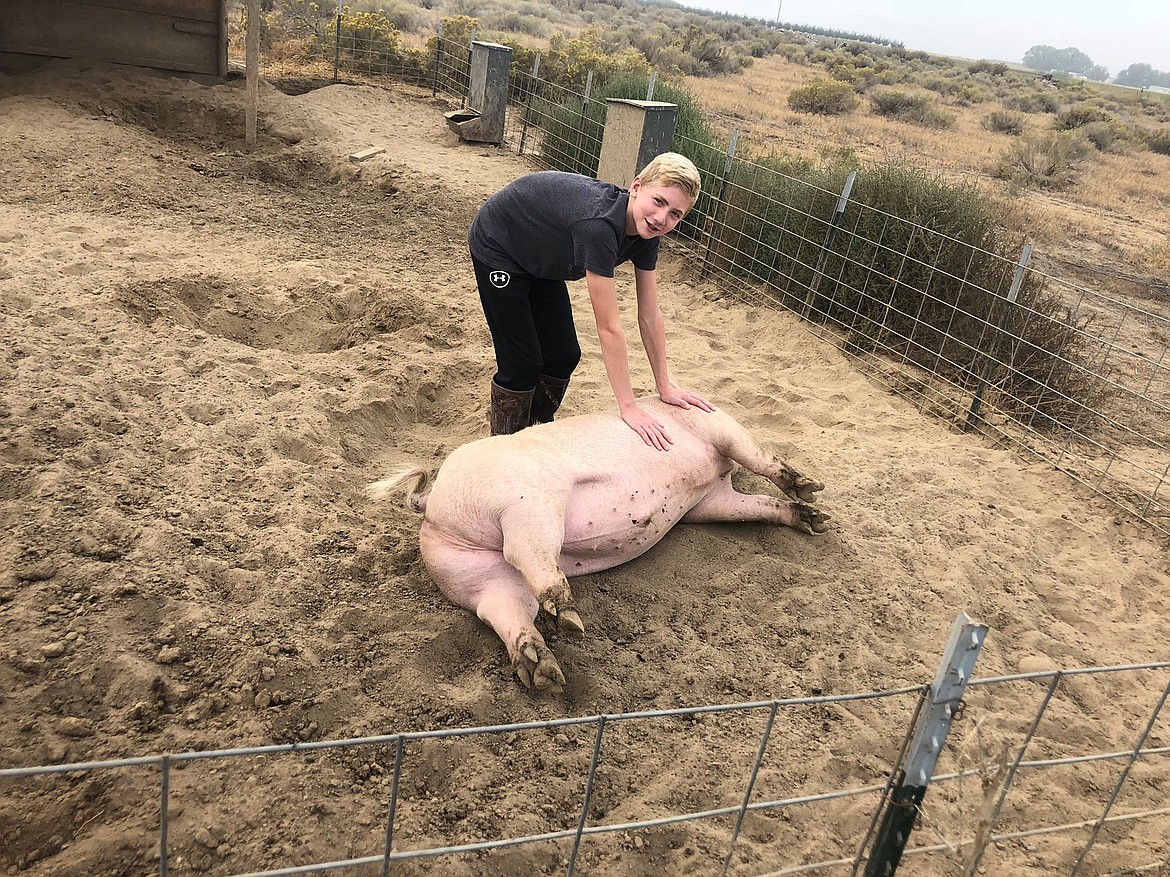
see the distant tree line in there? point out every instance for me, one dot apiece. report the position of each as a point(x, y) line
point(1070, 60)
point(831, 33)
point(1142, 75)
point(1073, 60)
point(835, 34)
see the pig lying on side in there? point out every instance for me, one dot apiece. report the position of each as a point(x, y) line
point(509, 517)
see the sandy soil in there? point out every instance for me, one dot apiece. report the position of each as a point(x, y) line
point(207, 353)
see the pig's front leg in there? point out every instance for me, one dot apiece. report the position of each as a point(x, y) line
point(738, 444)
point(724, 504)
point(534, 532)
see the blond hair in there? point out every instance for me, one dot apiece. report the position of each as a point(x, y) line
point(672, 169)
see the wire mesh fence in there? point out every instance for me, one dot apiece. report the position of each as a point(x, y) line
point(1071, 375)
point(944, 309)
point(560, 125)
point(750, 807)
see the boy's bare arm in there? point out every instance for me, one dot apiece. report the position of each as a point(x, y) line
point(615, 355)
point(652, 327)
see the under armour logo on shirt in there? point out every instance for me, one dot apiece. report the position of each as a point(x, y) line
point(499, 279)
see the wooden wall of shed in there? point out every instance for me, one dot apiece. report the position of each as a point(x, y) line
point(183, 35)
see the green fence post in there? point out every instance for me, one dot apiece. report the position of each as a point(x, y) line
point(528, 103)
point(438, 60)
point(337, 42)
point(467, 87)
point(942, 707)
point(581, 122)
point(1013, 294)
point(712, 220)
point(819, 271)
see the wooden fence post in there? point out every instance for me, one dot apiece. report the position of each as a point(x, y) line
point(251, 72)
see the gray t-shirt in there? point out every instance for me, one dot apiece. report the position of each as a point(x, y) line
point(556, 226)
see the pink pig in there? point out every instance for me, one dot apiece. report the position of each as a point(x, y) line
point(509, 517)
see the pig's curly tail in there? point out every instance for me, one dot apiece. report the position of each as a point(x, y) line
point(416, 498)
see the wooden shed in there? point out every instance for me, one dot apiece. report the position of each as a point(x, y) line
point(184, 35)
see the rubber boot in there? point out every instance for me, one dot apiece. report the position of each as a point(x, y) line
point(511, 409)
point(550, 392)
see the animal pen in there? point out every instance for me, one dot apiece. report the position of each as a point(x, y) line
point(981, 338)
point(1061, 372)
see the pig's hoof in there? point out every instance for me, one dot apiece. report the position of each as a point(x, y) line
point(537, 668)
point(567, 617)
point(806, 489)
point(798, 486)
point(570, 620)
point(812, 519)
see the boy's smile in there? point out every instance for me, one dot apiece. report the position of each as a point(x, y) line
point(655, 210)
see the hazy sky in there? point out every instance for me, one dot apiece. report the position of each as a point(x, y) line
point(1114, 34)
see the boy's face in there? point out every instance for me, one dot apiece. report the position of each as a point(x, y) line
point(655, 210)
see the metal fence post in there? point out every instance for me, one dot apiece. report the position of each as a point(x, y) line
point(438, 60)
point(164, 816)
point(337, 42)
point(943, 703)
point(834, 223)
point(528, 103)
point(467, 87)
point(1013, 294)
point(650, 87)
point(712, 218)
point(581, 119)
point(892, 778)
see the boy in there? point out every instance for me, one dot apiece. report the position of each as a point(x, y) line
point(549, 227)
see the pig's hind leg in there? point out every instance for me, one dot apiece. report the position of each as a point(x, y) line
point(533, 538)
point(483, 582)
point(509, 607)
point(724, 504)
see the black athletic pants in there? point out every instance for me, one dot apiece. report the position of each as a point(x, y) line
point(531, 322)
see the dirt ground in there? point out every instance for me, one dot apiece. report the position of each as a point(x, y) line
point(208, 352)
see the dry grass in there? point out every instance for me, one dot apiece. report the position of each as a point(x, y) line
point(1119, 208)
point(755, 104)
point(1158, 255)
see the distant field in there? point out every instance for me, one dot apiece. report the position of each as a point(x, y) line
point(1116, 216)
